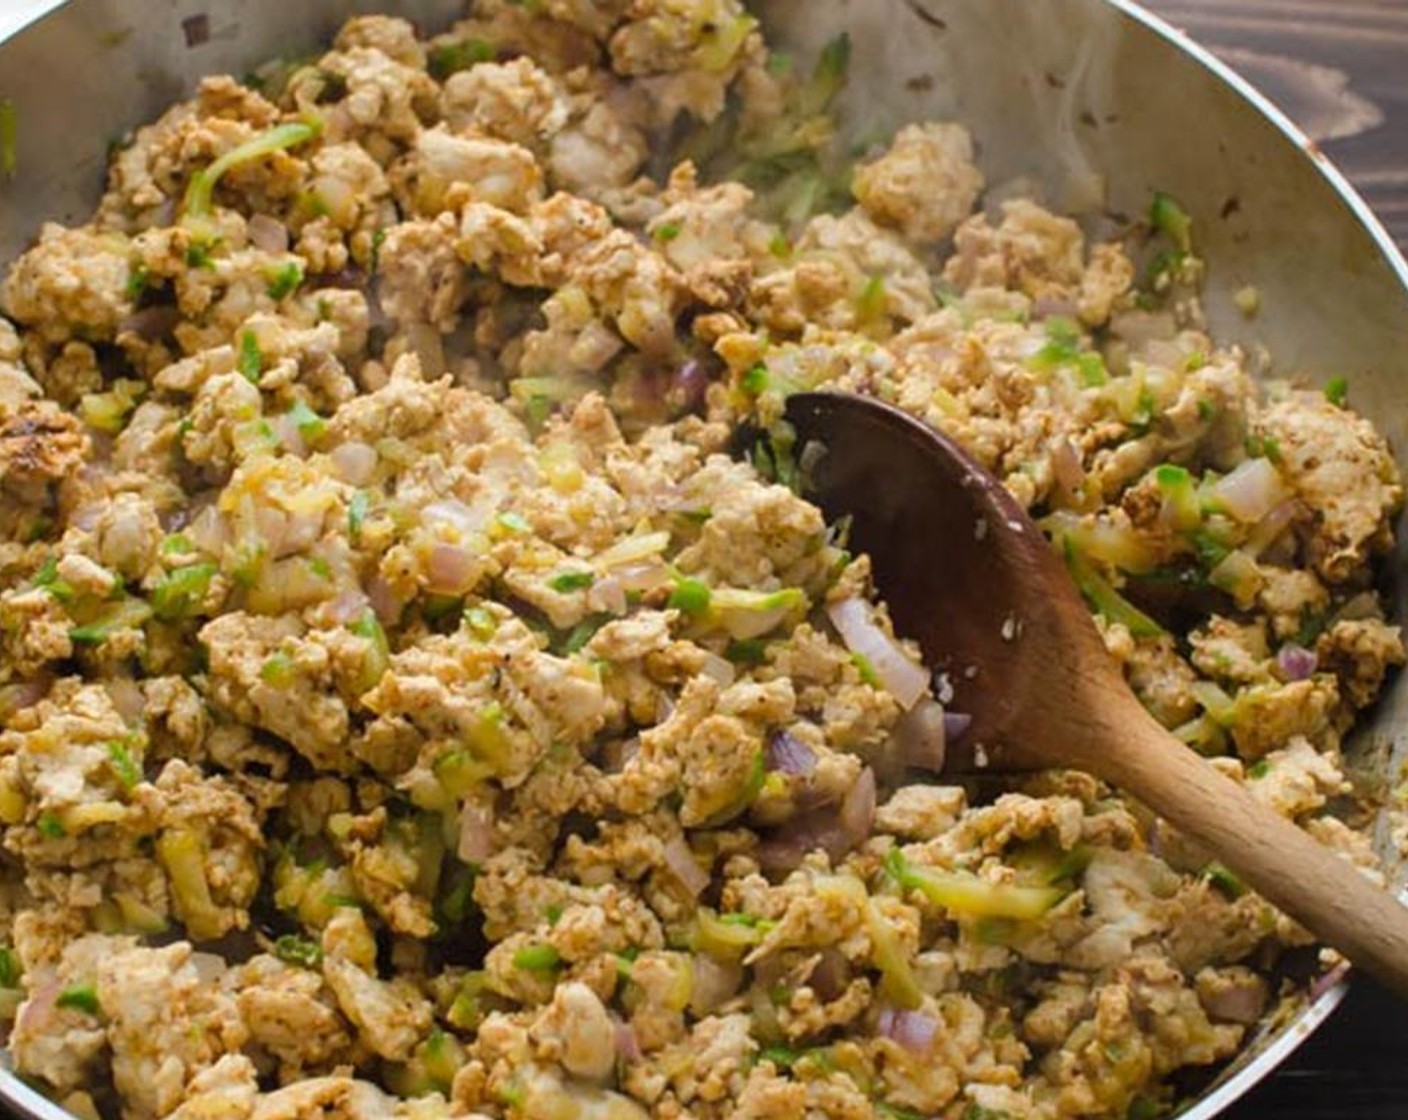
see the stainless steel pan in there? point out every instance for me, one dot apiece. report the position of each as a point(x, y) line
point(1094, 101)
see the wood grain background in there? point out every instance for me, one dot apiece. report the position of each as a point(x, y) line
point(1339, 68)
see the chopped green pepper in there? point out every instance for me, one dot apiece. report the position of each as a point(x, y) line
point(1337, 391)
point(537, 958)
point(1170, 219)
point(50, 827)
point(181, 591)
point(667, 231)
point(123, 764)
point(691, 596)
point(1105, 599)
point(962, 893)
point(199, 199)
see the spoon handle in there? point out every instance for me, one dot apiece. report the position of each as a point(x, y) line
point(1285, 865)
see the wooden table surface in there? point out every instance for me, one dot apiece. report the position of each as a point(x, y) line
point(1339, 68)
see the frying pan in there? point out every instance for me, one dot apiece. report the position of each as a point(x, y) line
point(1095, 104)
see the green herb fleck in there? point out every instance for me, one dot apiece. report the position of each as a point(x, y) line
point(292, 949)
point(667, 231)
point(50, 827)
point(567, 582)
point(755, 381)
point(181, 592)
point(747, 651)
point(553, 914)
point(357, 513)
point(80, 997)
point(138, 279)
point(277, 670)
point(1224, 880)
point(9, 969)
point(582, 633)
point(251, 358)
point(123, 764)
point(445, 59)
point(284, 280)
point(1170, 219)
point(198, 255)
point(1337, 391)
point(481, 623)
point(310, 425)
point(867, 672)
point(47, 577)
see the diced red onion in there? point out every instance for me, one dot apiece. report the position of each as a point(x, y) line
point(1142, 327)
point(691, 383)
point(1242, 1003)
point(208, 531)
point(645, 576)
point(1067, 468)
point(719, 669)
point(617, 754)
point(449, 569)
point(1296, 662)
point(126, 696)
point(301, 532)
point(906, 681)
point(37, 1014)
point(914, 1030)
point(454, 513)
point(715, 983)
point(789, 755)
point(208, 966)
point(348, 607)
point(1329, 980)
point(831, 975)
point(151, 323)
point(956, 725)
point(1251, 491)
point(1270, 527)
point(608, 596)
point(354, 462)
point(858, 808)
point(680, 859)
point(268, 235)
point(290, 435)
point(1047, 307)
point(922, 736)
point(834, 831)
point(476, 842)
point(427, 345)
point(21, 695)
point(271, 523)
point(383, 600)
point(85, 517)
point(627, 1045)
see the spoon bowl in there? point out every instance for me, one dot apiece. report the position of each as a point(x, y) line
point(971, 578)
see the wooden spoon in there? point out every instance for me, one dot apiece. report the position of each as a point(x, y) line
point(972, 579)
